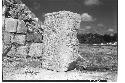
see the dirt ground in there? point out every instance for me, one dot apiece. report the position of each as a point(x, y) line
point(19, 68)
point(33, 71)
point(29, 73)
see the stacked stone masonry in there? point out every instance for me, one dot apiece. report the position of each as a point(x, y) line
point(21, 28)
point(60, 41)
point(10, 24)
point(7, 37)
point(17, 22)
point(19, 38)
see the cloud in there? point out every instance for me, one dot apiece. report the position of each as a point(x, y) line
point(111, 30)
point(100, 25)
point(87, 17)
point(36, 5)
point(91, 2)
point(88, 27)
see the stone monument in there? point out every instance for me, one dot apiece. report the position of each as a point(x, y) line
point(60, 40)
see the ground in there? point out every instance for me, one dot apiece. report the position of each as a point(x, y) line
point(101, 65)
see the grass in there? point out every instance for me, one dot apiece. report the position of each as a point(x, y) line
point(100, 62)
point(98, 57)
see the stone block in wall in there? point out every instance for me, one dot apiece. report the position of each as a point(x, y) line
point(22, 51)
point(12, 52)
point(5, 47)
point(36, 49)
point(32, 15)
point(36, 19)
point(3, 10)
point(3, 22)
point(23, 15)
point(19, 39)
point(38, 38)
point(7, 37)
point(34, 37)
point(29, 37)
point(10, 24)
point(21, 27)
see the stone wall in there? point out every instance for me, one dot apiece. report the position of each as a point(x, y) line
point(21, 29)
point(60, 39)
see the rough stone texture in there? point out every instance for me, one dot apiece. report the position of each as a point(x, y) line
point(22, 15)
point(12, 52)
point(29, 37)
point(38, 38)
point(36, 49)
point(4, 47)
point(19, 39)
point(3, 22)
point(16, 17)
point(7, 37)
point(34, 37)
point(10, 25)
point(22, 51)
point(21, 27)
point(60, 41)
point(3, 10)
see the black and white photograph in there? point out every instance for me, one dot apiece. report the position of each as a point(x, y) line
point(59, 40)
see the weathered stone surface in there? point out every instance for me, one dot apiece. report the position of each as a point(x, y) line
point(34, 37)
point(10, 24)
point(22, 51)
point(18, 38)
point(5, 47)
point(36, 49)
point(38, 38)
point(23, 15)
point(29, 37)
point(7, 37)
point(21, 27)
point(60, 41)
point(3, 22)
point(12, 52)
point(3, 9)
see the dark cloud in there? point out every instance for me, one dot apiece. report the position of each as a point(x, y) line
point(111, 30)
point(100, 25)
point(91, 2)
point(105, 11)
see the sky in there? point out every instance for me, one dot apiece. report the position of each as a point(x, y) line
point(98, 16)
